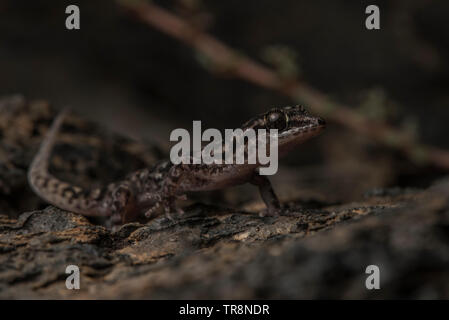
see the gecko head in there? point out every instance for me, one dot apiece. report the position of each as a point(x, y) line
point(294, 124)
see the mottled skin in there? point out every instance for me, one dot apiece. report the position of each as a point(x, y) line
point(143, 191)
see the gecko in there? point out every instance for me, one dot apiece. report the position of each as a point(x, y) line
point(145, 191)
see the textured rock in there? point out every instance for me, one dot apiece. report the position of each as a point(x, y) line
point(316, 250)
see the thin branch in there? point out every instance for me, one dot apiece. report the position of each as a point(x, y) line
point(228, 61)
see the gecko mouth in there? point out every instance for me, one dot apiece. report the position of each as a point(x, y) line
point(313, 128)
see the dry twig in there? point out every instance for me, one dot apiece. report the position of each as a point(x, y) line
point(229, 61)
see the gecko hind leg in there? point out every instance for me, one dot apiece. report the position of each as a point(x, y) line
point(169, 206)
point(114, 221)
point(123, 205)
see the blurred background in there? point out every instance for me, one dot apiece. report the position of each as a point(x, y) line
point(135, 80)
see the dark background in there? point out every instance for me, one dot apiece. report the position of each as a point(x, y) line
point(142, 83)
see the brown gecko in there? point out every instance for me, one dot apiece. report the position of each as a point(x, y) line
point(143, 191)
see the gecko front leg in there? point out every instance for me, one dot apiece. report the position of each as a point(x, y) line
point(267, 193)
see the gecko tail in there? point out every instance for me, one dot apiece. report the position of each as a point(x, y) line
point(59, 193)
point(41, 159)
point(45, 185)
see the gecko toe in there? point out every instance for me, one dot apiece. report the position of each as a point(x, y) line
point(272, 212)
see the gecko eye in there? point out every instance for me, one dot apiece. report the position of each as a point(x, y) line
point(276, 120)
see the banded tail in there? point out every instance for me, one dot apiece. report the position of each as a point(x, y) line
point(59, 193)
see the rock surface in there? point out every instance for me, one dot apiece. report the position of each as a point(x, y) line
point(315, 250)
